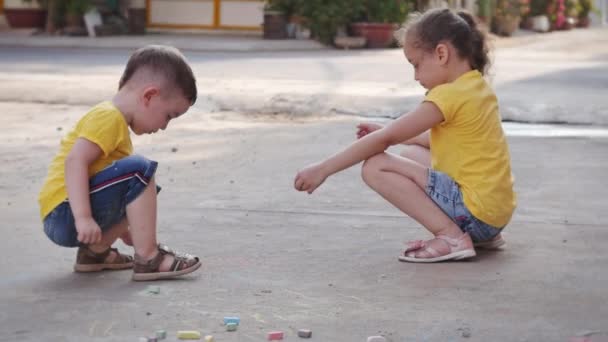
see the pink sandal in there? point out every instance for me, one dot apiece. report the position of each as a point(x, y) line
point(459, 248)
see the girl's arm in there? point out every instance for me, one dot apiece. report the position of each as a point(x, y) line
point(425, 116)
point(83, 154)
point(422, 139)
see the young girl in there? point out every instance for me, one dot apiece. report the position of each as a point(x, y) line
point(454, 177)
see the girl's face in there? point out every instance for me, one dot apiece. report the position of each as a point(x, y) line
point(429, 66)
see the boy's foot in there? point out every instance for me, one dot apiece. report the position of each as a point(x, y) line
point(497, 242)
point(441, 248)
point(159, 268)
point(110, 259)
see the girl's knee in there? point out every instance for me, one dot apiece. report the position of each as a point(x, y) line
point(372, 166)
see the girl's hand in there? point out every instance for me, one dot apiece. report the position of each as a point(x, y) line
point(88, 231)
point(309, 178)
point(366, 128)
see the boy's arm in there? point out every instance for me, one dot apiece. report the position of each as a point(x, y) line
point(83, 154)
point(425, 116)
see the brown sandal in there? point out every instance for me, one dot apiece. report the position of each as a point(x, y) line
point(89, 261)
point(145, 270)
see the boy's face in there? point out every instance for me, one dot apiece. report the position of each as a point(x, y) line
point(157, 109)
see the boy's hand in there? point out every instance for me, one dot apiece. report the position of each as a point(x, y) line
point(366, 128)
point(88, 231)
point(309, 178)
point(126, 238)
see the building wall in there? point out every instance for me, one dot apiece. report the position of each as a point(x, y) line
point(206, 14)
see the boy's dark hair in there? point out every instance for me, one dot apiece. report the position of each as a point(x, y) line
point(459, 28)
point(166, 60)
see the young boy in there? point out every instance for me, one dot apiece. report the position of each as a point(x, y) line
point(96, 191)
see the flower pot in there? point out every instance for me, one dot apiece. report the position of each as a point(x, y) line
point(137, 20)
point(275, 25)
point(74, 20)
point(378, 35)
point(505, 26)
point(583, 21)
point(540, 23)
point(25, 17)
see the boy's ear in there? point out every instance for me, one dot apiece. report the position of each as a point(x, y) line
point(443, 53)
point(150, 93)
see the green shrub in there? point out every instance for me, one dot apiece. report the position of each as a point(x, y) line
point(324, 17)
point(386, 11)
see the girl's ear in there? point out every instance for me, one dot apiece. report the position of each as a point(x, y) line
point(149, 94)
point(443, 53)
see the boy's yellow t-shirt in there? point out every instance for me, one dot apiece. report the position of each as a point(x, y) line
point(103, 125)
point(470, 146)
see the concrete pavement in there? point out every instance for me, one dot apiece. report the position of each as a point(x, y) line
point(546, 78)
point(283, 260)
point(187, 41)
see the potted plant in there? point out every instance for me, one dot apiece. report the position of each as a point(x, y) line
point(584, 8)
point(73, 11)
point(556, 11)
point(275, 19)
point(380, 18)
point(508, 14)
point(324, 18)
point(537, 18)
point(25, 14)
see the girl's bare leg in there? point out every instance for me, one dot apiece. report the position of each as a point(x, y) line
point(402, 181)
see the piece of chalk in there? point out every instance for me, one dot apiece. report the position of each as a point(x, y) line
point(153, 289)
point(304, 333)
point(209, 338)
point(231, 326)
point(188, 335)
point(275, 335)
point(143, 339)
point(232, 320)
point(376, 339)
point(161, 334)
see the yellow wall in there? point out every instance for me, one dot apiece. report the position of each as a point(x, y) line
point(205, 14)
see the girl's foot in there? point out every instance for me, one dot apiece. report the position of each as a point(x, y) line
point(110, 259)
point(497, 242)
point(166, 264)
point(441, 248)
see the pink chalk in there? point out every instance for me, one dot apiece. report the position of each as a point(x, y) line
point(275, 335)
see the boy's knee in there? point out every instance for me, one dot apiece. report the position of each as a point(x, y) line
point(140, 161)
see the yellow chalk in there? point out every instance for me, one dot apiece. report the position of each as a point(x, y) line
point(188, 335)
point(209, 338)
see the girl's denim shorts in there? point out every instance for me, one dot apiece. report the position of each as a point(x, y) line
point(444, 191)
point(111, 190)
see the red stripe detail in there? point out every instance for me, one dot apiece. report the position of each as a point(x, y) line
point(118, 179)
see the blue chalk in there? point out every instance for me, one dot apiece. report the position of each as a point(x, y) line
point(234, 320)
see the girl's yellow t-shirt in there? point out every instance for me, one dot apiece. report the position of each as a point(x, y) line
point(470, 146)
point(103, 125)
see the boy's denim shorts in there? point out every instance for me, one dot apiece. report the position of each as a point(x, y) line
point(111, 190)
point(447, 195)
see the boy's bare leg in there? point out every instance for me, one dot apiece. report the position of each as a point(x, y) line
point(402, 181)
point(141, 215)
point(109, 237)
